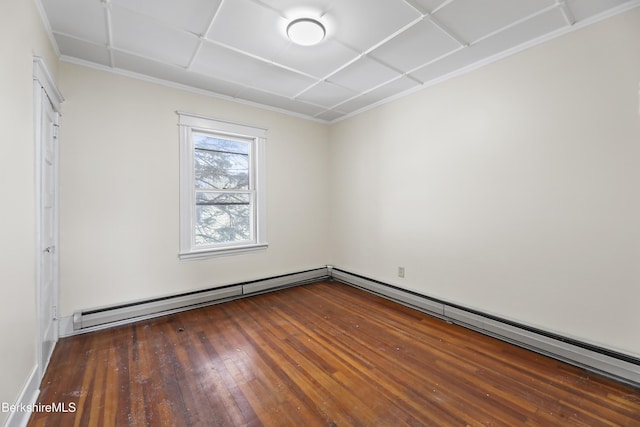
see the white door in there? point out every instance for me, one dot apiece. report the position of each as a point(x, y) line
point(48, 278)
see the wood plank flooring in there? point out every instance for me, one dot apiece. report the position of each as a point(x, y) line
point(324, 354)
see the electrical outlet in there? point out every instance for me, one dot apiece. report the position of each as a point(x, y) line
point(401, 272)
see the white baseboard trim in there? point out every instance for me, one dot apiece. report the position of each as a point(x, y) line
point(27, 399)
point(621, 367)
point(65, 326)
point(90, 320)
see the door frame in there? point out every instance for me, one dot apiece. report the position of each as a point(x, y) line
point(44, 91)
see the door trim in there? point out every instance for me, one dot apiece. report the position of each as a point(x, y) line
point(44, 91)
point(42, 75)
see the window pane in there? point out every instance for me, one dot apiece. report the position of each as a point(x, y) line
point(221, 171)
point(222, 218)
point(220, 164)
point(209, 142)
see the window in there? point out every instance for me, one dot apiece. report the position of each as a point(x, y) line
point(222, 197)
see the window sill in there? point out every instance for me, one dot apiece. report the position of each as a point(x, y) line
point(213, 253)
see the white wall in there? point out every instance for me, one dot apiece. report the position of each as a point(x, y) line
point(512, 189)
point(21, 36)
point(119, 192)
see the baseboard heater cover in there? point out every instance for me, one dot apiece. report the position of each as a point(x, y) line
point(620, 367)
point(406, 297)
point(279, 282)
point(100, 318)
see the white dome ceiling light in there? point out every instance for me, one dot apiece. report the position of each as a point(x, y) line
point(306, 31)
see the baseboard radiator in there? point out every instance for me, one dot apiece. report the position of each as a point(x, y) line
point(618, 366)
point(104, 317)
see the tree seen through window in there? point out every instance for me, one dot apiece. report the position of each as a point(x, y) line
point(222, 189)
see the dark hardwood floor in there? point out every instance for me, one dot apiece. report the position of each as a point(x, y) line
point(320, 354)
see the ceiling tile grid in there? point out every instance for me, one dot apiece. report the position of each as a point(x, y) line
point(372, 52)
point(418, 45)
point(364, 74)
point(192, 16)
point(63, 16)
point(487, 48)
point(145, 36)
point(473, 19)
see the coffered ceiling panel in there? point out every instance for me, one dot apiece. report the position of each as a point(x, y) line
point(363, 24)
point(88, 51)
point(428, 6)
point(320, 60)
point(393, 88)
point(280, 102)
point(330, 115)
point(584, 9)
point(142, 35)
point(250, 27)
point(230, 65)
point(537, 26)
point(327, 94)
point(293, 7)
point(82, 19)
point(473, 19)
point(175, 74)
point(364, 74)
point(189, 15)
point(373, 51)
point(420, 44)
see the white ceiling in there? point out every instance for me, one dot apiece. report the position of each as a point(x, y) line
point(375, 50)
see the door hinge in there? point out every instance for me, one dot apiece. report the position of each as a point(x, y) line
point(54, 312)
point(56, 131)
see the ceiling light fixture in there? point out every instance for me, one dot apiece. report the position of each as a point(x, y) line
point(306, 31)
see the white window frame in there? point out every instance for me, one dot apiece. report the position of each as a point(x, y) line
point(190, 123)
